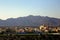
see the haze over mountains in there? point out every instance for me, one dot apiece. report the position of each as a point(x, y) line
point(30, 21)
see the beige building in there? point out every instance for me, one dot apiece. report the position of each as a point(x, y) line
point(43, 28)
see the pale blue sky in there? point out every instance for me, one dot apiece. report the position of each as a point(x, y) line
point(19, 8)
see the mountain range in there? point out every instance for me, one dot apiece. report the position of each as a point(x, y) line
point(30, 21)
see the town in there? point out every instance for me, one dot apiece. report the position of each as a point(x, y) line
point(28, 29)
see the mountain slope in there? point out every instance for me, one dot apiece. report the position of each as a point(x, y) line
point(30, 21)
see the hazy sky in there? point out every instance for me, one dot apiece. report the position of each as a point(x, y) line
point(19, 8)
